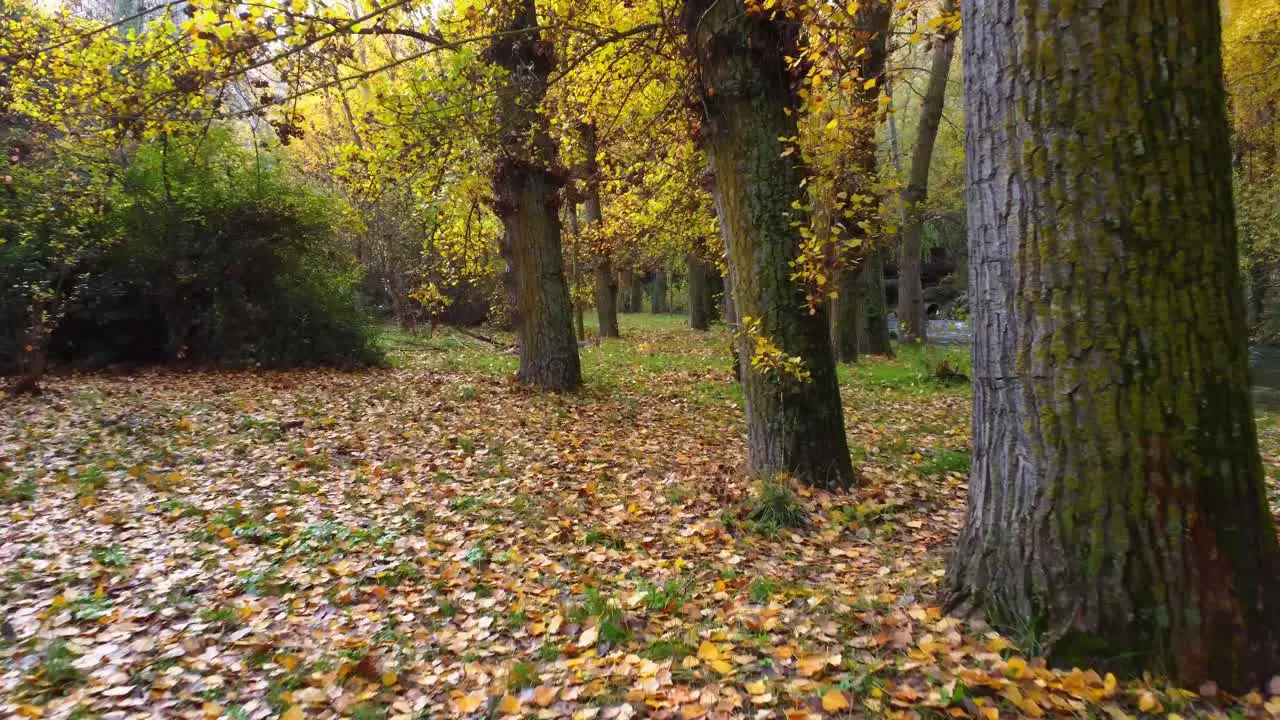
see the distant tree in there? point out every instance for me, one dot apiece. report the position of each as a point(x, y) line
point(911, 317)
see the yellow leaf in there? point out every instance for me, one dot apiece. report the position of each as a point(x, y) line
point(469, 703)
point(990, 713)
point(810, 666)
point(721, 667)
point(831, 125)
point(211, 710)
point(588, 637)
point(1017, 667)
point(510, 705)
point(389, 678)
point(834, 701)
point(1148, 703)
point(293, 713)
point(756, 688)
point(1109, 685)
point(869, 84)
point(708, 651)
point(544, 695)
point(31, 711)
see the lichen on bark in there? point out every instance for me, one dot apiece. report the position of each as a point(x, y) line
point(1116, 494)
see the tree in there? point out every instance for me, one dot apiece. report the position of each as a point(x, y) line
point(911, 320)
point(701, 304)
point(527, 199)
point(606, 280)
point(794, 419)
point(1116, 499)
point(853, 310)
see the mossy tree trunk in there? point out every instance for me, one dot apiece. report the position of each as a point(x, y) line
point(658, 292)
point(636, 301)
point(912, 326)
point(873, 338)
point(606, 282)
point(526, 198)
point(745, 89)
point(848, 309)
point(700, 300)
point(627, 279)
point(1116, 498)
point(847, 314)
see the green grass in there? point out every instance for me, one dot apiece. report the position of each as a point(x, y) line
point(775, 506)
point(660, 348)
point(20, 491)
point(945, 461)
point(912, 370)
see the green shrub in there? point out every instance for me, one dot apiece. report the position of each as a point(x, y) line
point(217, 257)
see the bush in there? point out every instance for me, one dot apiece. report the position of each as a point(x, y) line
point(219, 259)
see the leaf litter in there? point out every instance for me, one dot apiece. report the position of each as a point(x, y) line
point(437, 541)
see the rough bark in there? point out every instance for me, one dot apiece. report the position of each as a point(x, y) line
point(606, 282)
point(730, 308)
point(526, 198)
point(699, 292)
point(847, 314)
point(658, 292)
point(874, 334)
point(1116, 496)
point(912, 326)
point(745, 91)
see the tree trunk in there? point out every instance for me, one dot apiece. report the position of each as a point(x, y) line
point(658, 292)
point(874, 336)
point(699, 293)
point(793, 425)
point(730, 307)
point(847, 326)
point(1116, 498)
point(635, 294)
point(606, 283)
point(625, 279)
point(526, 198)
point(731, 320)
point(847, 314)
point(912, 326)
point(606, 298)
point(578, 320)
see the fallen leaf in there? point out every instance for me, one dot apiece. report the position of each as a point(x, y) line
point(469, 703)
point(544, 695)
point(834, 701)
point(510, 705)
point(708, 651)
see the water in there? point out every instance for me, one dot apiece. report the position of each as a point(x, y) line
point(942, 332)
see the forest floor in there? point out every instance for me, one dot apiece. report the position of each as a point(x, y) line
point(432, 540)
